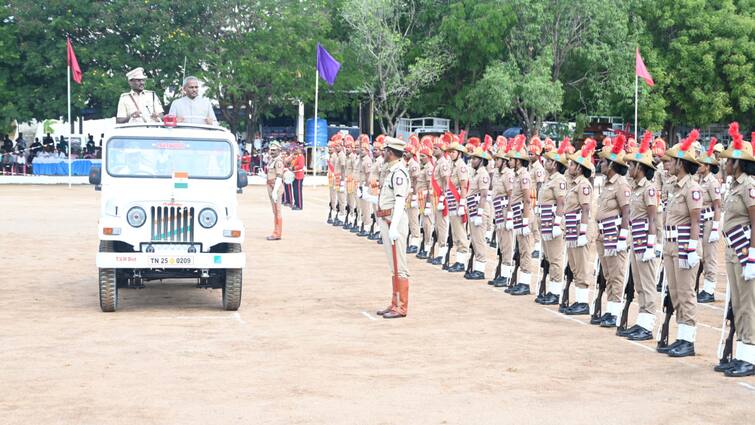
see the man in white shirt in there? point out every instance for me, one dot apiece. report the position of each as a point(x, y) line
point(193, 108)
point(138, 105)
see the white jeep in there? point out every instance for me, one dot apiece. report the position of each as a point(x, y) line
point(169, 209)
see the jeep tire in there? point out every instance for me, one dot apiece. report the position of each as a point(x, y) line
point(108, 285)
point(233, 283)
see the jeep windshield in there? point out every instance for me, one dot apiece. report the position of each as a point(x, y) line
point(160, 158)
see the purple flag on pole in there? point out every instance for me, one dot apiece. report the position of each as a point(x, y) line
point(327, 66)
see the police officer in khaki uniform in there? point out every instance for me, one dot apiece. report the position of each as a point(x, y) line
point(424, 194)
point(612, 217)
point(351, 190)
point(682, 233)
point(412, 209)
point(711, 219)
point(332, 184)
point(138, 105)
point(341, 169)
point(275, 169)
point(456, 197)
point(363, 191)
point(644, 237)
point(503, 186)
point(394, 225)
point(739, 232)
point(550, 203)
point(519, 205)
point(375, 174)
point(439, 184)
point(477, 199)
point(577, 222)
point(537, 177)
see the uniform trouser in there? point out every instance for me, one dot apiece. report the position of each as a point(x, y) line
point(525, 253)
point(742, 299)
point(459, 233)
point(403, 230)
point(535, 229)
point(333, 197)
point(351, 199)
point(489, 226)
point(614, 270)
point(554, 250)
point(427, 226)
point(298, 194)
point(681, 285)
point(478, 242)
point(365, 213)
point(580, 265)
point(710, 256)
point(644, 275)
point(413, 213)
point(506, 245)
point(441, 228)
point(342, 201)
point(276, 205)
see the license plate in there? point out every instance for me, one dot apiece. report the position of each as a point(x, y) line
point(170, 260)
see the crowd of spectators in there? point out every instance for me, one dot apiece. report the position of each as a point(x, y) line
point(19, 157)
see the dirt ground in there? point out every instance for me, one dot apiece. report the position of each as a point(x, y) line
point(306, 347)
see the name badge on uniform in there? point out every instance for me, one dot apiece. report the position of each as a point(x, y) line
point(562, 186)
point(696, 195)
point(586, 190)
point(651, 191)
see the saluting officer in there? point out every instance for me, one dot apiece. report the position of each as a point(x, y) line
point(710, 217)
point(138, 105)
point(682, 233)
point(644, 261)
point(477, 199)
point(394, 225)
point(739, 231)
point(550, 202)
point(456, 197)
point(579, 226)
point(612, 217)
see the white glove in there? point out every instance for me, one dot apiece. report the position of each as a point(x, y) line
point(360, 192)
point(714, 234)
point(526, 228)
point(749, 269)
point(621, 244)
point(582, 238)
point(692, 258)
point(342, 188)
point(398, 214)
point(556, 231)
point(441, 206)
point(460, 211)
point(393, 233)
point(276, 188)
point(477, 220)
point(413, 203)
point(649, 252)
point(428, 211)
point(509, 224)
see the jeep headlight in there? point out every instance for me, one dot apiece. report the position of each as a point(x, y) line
point(136, 216)
point(208, 218)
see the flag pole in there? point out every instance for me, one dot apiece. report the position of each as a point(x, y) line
point(636, 78)
point(68, 81)
point(316, 156)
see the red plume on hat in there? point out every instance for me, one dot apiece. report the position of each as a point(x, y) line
point(687, 142)
point(588, 147)
point(463, 136)
point(712, 146)
point(733, 129)
point(646, 139)
point(488, 143)
point(618, 144)
point(519, 142)
point(563, 146)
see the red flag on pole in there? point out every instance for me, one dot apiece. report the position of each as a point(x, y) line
point(641, 70)
point(72, 62)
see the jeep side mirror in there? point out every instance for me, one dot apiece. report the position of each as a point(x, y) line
point(95, 176)
point(241, 181)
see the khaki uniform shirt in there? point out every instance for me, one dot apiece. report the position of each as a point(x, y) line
point(341, 164)
point(739, 199)
point(365, 168)
point(414, 170)
point(442, 172)
point(553, 188)
point(685, 196)
point(644, 194)
point(460, 175)
point(578, 193)
point(537, 173)
point(613, 197)
point(424, 181)
point(521, 187)
point(480, 183)
point(711, 188)
point(146, 102)
point(395, 186)
point(275, 169)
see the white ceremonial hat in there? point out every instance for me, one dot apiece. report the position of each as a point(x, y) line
point(136, 74)
point(395, 143)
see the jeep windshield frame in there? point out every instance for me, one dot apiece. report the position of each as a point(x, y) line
point(160, 158)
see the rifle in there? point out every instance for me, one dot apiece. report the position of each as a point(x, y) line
point(422, 237)
point(431, 256)
point(728, 346)
point(546, 266)
point(372, 227)
point(668, 308)
point(348, 213)
point(493, 241)
point(628, 298)
point(569, 275)
point(697, 279)
point(330, 213)
point(356, 218)
point(449, 244)
point(498, 267)
point(470, 264)
point(517, 259)
point(336, 221)
point(598, 304)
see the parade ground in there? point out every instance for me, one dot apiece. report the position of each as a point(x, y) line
point(306, 347)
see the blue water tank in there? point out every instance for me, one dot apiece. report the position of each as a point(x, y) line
point(322, 132)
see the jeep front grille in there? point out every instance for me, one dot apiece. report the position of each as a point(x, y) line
point(172, 224)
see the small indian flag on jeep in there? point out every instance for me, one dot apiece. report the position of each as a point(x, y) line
point(180, 180)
